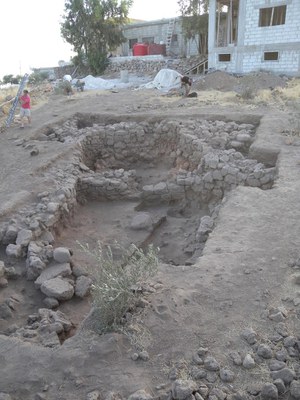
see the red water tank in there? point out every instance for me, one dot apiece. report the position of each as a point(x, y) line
point(140, 49)
point(154, 48)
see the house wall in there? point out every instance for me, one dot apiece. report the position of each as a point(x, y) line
point(159, 31)
point(254, 41)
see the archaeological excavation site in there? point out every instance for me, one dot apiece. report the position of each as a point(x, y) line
point(215, 194)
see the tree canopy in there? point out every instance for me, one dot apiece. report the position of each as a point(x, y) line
point(93, 28)
point(195, 21)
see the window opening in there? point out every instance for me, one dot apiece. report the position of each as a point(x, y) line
point(148, 40)
point(271, 16)
point(271, 56)
point(132, 42)
point(224, 57)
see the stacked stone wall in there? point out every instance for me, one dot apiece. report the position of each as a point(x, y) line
point(204, 160)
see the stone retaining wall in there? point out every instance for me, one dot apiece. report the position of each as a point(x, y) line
point(137, 65)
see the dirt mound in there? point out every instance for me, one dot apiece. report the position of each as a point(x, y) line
point(223, 81)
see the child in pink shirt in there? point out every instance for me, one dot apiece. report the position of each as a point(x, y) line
point(25, 108)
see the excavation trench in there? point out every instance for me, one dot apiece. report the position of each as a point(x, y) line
point(142, 182)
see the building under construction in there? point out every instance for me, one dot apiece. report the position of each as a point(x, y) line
point(257, 35)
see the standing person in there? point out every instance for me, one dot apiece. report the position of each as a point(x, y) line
point(25, 108)
point(186, 83)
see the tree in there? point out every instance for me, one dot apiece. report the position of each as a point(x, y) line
point(93, 27)
point(195, 21)
point(38, 77)
point(7, 78)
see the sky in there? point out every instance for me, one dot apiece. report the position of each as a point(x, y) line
point(30, 31)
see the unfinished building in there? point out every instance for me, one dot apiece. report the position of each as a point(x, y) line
point(258, 35)
point(166, 31)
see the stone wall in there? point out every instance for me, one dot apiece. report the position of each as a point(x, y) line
point(144, 65)
point(204, 160)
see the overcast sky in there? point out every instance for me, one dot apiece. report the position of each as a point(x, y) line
point(30, 31)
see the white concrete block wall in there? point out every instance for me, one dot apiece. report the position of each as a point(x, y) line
point(287, 33)
point(284, 39)
point(226, 66)
point(288, 61)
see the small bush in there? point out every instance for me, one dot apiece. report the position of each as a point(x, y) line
point(248, 93)
point(117, 283)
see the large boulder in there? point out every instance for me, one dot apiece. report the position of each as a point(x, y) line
point(58, 288)
point(53, 272)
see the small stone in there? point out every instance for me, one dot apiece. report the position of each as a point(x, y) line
point(286, 374)
point(198, 373)
point(203, 390)
point(140, 395)
point(249, 335)
point(211, 364)
point(62, 255)
point(282, 329)
point(95, 395)
point(292, 352)
point(295, 389)
point(238, 396)
point(83, 286)
point(198, 396)
point(34, 152)
point(197, 359)
point(289, 341)
point(144, 355)
point(226, 375)
point(211, 377)
point(142, 221)
point(181, 389)
point(275, 338)
point(296, 278)
point(277, 316)
point(5, 311)
point(11, 273)
point(248, 362)
point(280, 386)
point(296, 301)
point(269, 392)
point(13, 250)
point(202, 351)
point(264, 351)
point(51, 302)
point(218, 393)
point(3, 282)
point(134, 356)
point(236, 358)
point(281, 355)
point(78, 271)
point(24, 237)
point(40, 396)
point(276, 365)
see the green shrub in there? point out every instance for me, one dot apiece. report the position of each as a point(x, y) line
point(117, 283)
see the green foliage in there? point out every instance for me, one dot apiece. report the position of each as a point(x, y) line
point(93, 27)
point(14, 80)
point(117, 282)
point(37, 77)
point(195, 22)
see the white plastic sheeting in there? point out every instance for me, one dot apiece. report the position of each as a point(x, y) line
point(165, 80)
point(67, 78)
point(92, 82)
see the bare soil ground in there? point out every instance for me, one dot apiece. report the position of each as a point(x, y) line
point(246, 273)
